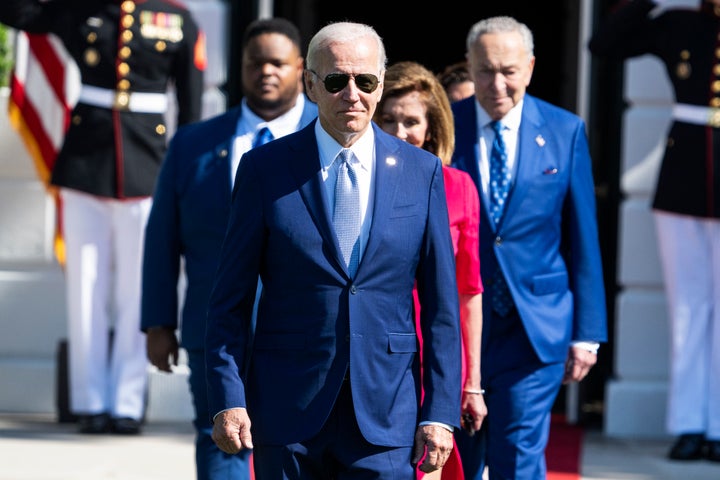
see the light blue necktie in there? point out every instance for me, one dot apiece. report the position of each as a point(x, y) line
point(346, 216)
point(501, 298)
point(263, 136)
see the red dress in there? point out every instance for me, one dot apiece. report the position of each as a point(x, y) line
point(464, 214)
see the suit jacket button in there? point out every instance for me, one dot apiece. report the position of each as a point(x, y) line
point(498, 241)
point(353, 290)
point(347, 338)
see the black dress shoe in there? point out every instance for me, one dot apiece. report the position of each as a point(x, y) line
point(689, 446)
point(99, 423)
point(126, 426)
point(712, 452)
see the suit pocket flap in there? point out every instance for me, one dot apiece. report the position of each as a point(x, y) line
point(402, 343)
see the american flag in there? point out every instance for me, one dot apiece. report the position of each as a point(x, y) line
point(44, 87)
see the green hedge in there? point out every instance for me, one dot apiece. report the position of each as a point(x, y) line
point(6, 60)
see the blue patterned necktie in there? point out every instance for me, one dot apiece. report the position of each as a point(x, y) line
point(499, 173)
point(263, 136)
point(346, 215)
point(501, 298)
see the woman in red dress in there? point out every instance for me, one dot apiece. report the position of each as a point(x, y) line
point(415, 108)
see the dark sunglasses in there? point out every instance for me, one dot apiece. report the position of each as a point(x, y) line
point(334, 82)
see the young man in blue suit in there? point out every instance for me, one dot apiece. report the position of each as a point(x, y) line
point(333, 383)
point(544, 301)
point(190, 211)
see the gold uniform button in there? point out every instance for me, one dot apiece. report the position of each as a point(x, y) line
point(91, 57)
point(123, 69)
point(123, 84)
point(714, 120)
point(128, 6)
point(125, 52)
point(715, 102)
point(127, 36)
point(127, 21)
point(76, 120)
point(683, 70)
point(717, 53)
point(160, 46)
point(685, 54)
point(716, 70)
point(122, 100)
point(160, 129)
point(92, 37)
point(716, 86)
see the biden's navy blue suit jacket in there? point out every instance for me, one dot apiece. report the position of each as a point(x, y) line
point(314, 322)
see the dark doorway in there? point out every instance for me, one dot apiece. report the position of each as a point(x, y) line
point(435, 36)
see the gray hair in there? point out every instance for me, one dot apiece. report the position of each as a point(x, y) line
point(501, 24)
point(343, 32)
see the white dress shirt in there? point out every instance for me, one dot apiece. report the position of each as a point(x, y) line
point(364, 164)
point(250, 123)
point(511, 126)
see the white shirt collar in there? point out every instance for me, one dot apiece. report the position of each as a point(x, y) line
point(511, 120)
point(329, 148)
point(284, 124)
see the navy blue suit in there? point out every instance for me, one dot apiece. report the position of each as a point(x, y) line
point(187, 222)
point(546, 245)
point(315, 324)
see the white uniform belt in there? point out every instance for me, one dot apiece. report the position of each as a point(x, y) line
point(141, 102)
point(696, 114)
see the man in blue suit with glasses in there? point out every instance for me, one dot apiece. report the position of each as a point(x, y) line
point(340, 220)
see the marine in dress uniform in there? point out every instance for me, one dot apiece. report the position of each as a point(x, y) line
point(128, 53)
point(686, 205)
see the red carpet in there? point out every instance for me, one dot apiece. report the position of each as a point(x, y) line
point(564, 450)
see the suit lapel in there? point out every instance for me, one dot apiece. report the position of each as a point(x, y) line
point(219, 165)
point(305, 166)
point(531, 150)
point(388, 169)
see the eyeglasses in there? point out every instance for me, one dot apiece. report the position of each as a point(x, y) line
point(334, 82)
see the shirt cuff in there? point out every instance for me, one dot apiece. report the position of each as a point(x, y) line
point(591, 347)
point(439, 424)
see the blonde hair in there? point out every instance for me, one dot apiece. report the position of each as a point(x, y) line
point(404, 77)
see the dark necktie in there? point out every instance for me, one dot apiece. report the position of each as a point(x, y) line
point(499, 173)
point(263, 136)
point(499, 186)
point(346, 215)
